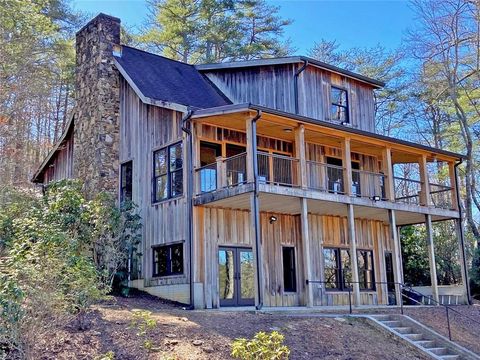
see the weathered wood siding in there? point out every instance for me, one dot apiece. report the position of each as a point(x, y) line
point(144, 129)
point(273, 86)
point(62, 163)
point(227, 227)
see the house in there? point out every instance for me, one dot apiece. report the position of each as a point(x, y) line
point(259, 182)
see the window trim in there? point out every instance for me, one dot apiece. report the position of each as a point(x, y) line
point(339, 270)
point(295, 290)
point(168, 173)
point(120, 193)
point(346, 107)
point(169, 273)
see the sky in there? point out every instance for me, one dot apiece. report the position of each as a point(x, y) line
point(351, 23)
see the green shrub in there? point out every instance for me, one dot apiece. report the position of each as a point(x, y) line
point(263, 346)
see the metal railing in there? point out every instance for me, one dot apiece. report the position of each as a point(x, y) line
point(441, 196)
point(407, 190)
point(368, 184)
point(236, 169)
point(278, 169)
point(407, 293)
point(325, 177)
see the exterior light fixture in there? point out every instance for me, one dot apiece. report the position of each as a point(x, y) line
point(376, 198)
point(272, 219)
point(288, 130)
point(345, 123)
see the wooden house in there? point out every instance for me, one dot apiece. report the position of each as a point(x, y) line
point(259, 182)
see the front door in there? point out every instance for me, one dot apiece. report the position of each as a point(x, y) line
point(236, 276)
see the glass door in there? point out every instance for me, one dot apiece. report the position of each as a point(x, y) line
point(236, 276)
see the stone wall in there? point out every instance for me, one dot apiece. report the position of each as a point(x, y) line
point(97, 121)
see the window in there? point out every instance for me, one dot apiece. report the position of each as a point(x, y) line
point(337, 265)
point(168, 172)
point(365, 269)
point(339, 106)
point(126, 175)
point(168, 260)
point(289, 272)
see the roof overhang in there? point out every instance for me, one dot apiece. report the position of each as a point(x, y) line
point(242, 108)
point(36, 178)
point(290, 60)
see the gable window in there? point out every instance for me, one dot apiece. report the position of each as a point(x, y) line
point(365, 269)
point(168, 172)
point(338, 274)
point(339, 106)
point(289, 271)
point(126, 177)
point(168, 260)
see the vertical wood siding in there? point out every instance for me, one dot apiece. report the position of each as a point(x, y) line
point(62, 164)
point(273, 86)
point(143, 129)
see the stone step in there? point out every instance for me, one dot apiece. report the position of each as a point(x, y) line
point(414, 337)
point(439, 351)
point(392, 323)
point(426, 343)
point(403, 330)
point(450, 357)
point(382, 317)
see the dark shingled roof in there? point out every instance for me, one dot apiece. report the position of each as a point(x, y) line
point(164, 79)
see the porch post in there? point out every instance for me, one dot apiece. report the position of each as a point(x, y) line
point(306, 250)
point(300, 154)
point(388, 171)
point(431, 257)
point(252, 175)
point(425, 198)
point(353, 253)
point(464, 270)
point(347, 166)
point(397, 255)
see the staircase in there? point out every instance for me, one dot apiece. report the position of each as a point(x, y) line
point(422, 337)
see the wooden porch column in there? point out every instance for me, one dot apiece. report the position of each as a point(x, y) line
point(300, 154)
point(431, 257)
point(307, 261)
point(353, 253)
point(255, 234)
point(347, 166)
point(397, 255)
point(453, 185)
point(388, 171)
point(425, 198)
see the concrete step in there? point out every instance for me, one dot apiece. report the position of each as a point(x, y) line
point(392, 323)
point(450, 357)
point(415, 337)
point(403, 330)
point(426, 343)
point(439, 351)
point(382, 317)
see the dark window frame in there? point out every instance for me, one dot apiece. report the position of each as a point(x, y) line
point(291, 272)
point(169, 174)
point(168, 260)
point(340, 283)
point(340, 105)
point(123, 187)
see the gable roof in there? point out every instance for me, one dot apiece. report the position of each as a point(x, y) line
point(290, 60)
point(161, 80)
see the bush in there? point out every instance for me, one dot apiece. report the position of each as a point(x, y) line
point(475, 274)
point(59, 257)
point(263, 346)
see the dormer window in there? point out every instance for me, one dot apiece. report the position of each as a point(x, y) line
point(339, 107)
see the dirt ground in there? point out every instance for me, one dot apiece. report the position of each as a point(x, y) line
point(182, 334)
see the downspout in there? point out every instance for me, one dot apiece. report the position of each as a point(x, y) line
point(256, 208)
point(186, 124)
point(462, 236)
point(295, 84)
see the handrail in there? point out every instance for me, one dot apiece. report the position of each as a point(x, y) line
point(409, 288)
point(407, 179)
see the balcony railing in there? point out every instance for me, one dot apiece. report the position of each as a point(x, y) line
point(283, 170)
point(441, 196)
point(325, 177)
point(407, 190)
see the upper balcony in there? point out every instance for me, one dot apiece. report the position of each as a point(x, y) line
point(328, 164)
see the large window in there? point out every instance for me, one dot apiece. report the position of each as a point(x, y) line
point(168, 172)
point(289, 272)
point(168, 260)
point(365, 269)
point(339, 106)
point(126, 176)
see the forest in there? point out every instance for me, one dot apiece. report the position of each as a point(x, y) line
point(432, 97)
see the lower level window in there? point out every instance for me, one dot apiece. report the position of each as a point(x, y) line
point(289, 272)
point(365, 269)
point(168, 260)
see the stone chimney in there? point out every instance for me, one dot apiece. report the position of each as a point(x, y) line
point(97, 102)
